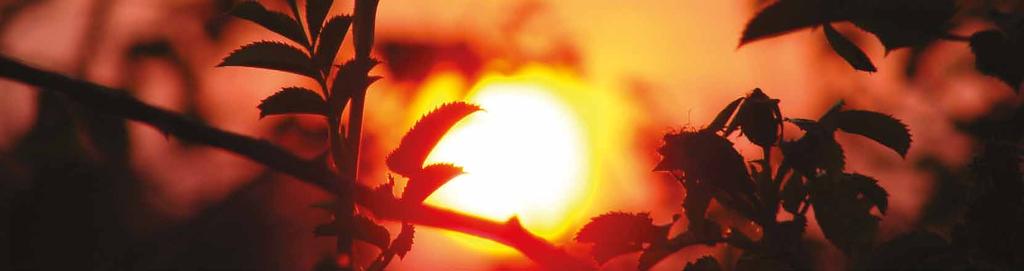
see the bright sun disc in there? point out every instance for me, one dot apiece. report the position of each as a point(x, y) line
point(525, 155)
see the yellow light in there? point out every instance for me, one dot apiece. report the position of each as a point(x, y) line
point(525, 155)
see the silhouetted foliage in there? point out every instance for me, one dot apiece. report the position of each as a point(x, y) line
point(348, 85)
point(706, 164)
point(998, 52)
point(809, 174)
point(898, 24)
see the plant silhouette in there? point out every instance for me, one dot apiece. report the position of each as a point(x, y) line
point(810, 173)
point(897, 24)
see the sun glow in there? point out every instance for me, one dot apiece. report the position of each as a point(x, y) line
point(525, 155)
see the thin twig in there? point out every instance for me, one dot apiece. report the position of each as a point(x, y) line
point(119, 104)
point(955, 37)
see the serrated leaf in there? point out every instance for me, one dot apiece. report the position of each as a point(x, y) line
point(380, 199)
point(316, 12)
point(723, 116)
point(617, 233)
point(786, 16)
point(879, 127)
point(848, 50)
point(274, 56)
point(659, 250)
point(843, 212)
point(903, 23)
point(408, 158)
point(293, 100)
point(403, 243)
point(271, 20)
point(707, 157)
point(998, 56)
point(368, 231)
point(330, 41)
point(428, 180)
point(706, 263)
point(870, 190)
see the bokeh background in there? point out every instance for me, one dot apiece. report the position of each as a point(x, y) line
point(86, 191)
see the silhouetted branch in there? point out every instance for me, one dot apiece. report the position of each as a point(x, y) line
point(118, 103)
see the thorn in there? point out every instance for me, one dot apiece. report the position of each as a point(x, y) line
point(514, 221)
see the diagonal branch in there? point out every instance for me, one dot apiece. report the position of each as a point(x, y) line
point(120, 104)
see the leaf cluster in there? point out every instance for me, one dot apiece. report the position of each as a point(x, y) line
point(809, 173)
point(310, 51)
point(897, 24)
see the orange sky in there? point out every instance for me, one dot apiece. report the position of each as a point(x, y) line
point(668, 64)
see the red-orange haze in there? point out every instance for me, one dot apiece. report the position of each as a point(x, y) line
point(576, 93)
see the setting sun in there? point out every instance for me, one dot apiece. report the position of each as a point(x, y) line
point(525, 155)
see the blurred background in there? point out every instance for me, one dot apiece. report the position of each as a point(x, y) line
point(578, 95)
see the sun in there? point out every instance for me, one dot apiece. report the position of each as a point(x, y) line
point(525, 155)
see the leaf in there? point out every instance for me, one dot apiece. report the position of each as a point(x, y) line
point(723, 117)
point(998, 56)
point(903, 23)
point(786, 16)
point(274, 56)
point(658, 250)
point(368, 231)
point(706, 263)
point(707, 157)
point(271, 20)
point(695, 205)
point(815, 150)
point(849, 51)
point(330, 41)
point(380, 199)
point(293, 100)
point(403, 243)
point(868, 187)
point(843, 212)
point(316, 12)
point(617, 233)
point(879, 127)
point(793, 193)
point(428, 180)
point(408, 158)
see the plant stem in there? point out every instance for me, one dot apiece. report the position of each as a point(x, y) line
point(119, 104)
point(769, 194)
